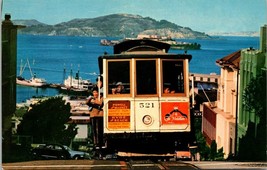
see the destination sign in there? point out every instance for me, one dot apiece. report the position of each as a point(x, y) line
point(119, 115)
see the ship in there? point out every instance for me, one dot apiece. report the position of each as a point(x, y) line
point(76, 83)
point(34, 81)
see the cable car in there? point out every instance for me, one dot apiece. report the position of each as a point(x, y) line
point(146, 97)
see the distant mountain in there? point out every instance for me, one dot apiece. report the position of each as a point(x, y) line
point(244, 34)
point(27, 22)
point(115, 25)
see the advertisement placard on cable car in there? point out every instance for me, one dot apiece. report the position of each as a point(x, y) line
point(174, 113)
point(119, 115)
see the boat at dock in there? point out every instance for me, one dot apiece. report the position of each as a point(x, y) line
point(76, 83)
point(34, 81)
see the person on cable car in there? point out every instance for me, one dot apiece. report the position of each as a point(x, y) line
point(95, 104)
point(119, 88)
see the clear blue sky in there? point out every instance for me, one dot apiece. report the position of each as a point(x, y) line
point(200, 15)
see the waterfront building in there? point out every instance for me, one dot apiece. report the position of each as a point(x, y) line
point(251, 133)
point(9, 66)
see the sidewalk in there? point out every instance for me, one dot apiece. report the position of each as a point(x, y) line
point(228, 165)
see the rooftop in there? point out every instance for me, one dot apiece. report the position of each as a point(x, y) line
point(232, 60)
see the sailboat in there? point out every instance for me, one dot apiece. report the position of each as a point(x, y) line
point(33, 82)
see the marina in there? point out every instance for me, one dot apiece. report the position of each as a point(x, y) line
point(72, 85)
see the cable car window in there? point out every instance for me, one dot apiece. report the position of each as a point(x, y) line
point(119, 77)
point(173, 76)
point(146, 77)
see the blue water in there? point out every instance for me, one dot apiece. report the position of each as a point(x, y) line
point(49, 55)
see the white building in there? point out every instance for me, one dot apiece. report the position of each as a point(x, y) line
point(219, 120)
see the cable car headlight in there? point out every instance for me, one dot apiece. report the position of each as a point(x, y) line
point(147, 120)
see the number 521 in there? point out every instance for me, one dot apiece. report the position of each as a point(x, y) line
point(146, 105)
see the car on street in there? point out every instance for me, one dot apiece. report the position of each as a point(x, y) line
point(77, 154)
point(57, 151)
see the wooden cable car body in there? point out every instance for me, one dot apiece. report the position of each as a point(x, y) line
point(139, 113)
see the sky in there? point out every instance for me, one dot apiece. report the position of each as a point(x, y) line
point(200, 15)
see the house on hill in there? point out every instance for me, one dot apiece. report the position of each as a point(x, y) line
point(241, 132)
point(219, 120)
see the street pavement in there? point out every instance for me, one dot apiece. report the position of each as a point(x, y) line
point(220, 165)
point(125, 165)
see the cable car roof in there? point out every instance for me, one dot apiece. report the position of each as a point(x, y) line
point(141, 49)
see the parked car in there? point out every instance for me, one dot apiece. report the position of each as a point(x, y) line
point(77, 154)
point(57, 151)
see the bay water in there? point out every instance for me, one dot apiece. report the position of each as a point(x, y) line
point(49, 55)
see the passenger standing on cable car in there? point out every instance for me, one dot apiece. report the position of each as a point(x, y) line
point(95, 104)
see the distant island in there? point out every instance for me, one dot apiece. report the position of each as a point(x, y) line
point(178, 45)
point(115, 25)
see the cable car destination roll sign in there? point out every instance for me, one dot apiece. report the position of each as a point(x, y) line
point(119, 114)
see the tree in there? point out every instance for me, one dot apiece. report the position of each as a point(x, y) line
point(253, 145)
point(213, 149)
point(214, 153)
point(202, 146)
point(208, 152)
point(47, 120)
point(254, 96)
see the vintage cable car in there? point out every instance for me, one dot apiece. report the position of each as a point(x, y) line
point(146, 97)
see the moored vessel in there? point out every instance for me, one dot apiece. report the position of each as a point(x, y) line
point(34, 81)
point(76, 83)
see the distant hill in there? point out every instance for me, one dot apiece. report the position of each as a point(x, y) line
point(115, 25)
point(27, 22)
point(243, 34)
